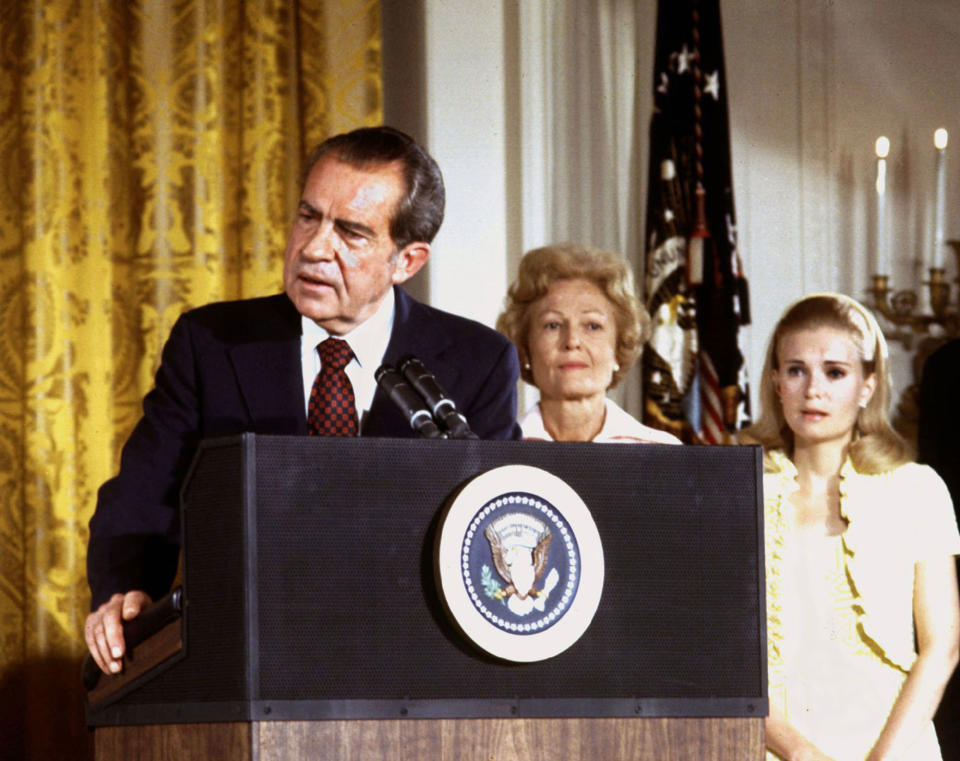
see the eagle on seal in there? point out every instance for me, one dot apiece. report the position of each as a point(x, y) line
point(518, 565)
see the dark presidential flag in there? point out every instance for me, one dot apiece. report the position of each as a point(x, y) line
point(694, 379)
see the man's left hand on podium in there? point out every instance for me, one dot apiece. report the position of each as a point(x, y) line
point(104, 628)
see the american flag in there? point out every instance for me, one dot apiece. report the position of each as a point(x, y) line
point(694, 378)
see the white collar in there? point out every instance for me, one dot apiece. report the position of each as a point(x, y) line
point(368, 340)
point(618, 426)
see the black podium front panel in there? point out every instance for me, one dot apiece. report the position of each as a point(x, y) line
point(311, 591)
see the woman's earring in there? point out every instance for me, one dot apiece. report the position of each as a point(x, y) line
point(526, 365)
point(616, 367)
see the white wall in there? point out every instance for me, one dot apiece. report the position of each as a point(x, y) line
point(537, 113)
point(445, 81)
point(812, 85)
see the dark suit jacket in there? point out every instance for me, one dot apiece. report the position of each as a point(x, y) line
point(938, 445)
point(233, 367)
point(938, 441)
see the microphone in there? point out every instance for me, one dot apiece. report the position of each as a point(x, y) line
point(442, 406)
point(410, 404)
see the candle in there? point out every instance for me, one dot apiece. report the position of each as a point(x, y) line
point(883, 149)
point(940, 143)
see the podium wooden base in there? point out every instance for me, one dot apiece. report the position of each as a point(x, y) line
point(671, 739)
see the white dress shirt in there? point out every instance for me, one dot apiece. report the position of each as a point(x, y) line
point(369, 343)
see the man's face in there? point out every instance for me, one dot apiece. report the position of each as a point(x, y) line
point(340, 259)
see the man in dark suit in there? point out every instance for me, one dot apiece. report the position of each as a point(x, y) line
point(938, 445)
point(371, 204)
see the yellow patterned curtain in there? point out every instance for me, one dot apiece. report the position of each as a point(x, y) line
point(149, 162)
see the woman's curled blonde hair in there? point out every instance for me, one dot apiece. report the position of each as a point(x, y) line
point(541, 267)
point(876, 447)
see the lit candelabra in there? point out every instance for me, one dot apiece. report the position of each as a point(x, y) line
point(902, 308)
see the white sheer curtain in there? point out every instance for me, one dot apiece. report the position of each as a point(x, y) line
point(584, 95)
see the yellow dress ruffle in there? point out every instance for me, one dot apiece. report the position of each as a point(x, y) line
point(894, 520)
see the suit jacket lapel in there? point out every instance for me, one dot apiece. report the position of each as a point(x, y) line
point(269, 373)
point(267, 364)
point(413, 333)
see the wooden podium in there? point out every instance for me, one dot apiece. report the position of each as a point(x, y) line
point(313, 627)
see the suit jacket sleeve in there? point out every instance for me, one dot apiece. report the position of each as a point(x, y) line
point(134, 533)
point(226, 368)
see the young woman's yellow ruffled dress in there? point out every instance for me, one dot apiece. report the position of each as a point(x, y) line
point(840, 633)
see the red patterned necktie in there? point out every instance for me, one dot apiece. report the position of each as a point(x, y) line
point(332, 410)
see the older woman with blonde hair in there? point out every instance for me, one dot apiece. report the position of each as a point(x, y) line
point(573, 314)
point(859, 549)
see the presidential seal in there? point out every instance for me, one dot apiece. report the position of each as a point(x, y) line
point(520, 563)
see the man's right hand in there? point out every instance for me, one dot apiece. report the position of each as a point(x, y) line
point(104, 630)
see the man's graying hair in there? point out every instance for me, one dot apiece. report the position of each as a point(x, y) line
point(420, 211)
